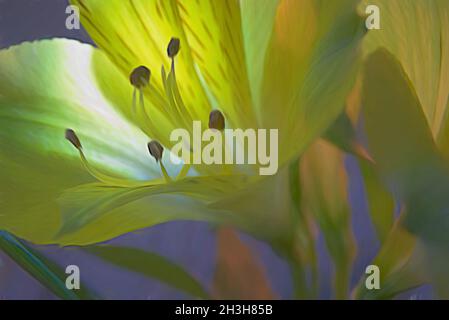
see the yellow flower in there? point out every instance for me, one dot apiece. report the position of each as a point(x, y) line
point(159, 66)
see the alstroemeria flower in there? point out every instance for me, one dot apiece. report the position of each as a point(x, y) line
point(284, 64)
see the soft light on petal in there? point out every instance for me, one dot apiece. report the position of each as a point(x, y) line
point(45, 88)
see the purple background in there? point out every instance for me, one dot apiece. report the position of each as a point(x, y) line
point(190, 244)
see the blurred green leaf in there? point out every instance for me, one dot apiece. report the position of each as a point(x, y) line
point(400, 264)
point(342, 134)
point(417, 34)
point(403, 147)
point(303, 256)
point(40, 268)
point(380, 201)
point(324, 186)
point(150, 265)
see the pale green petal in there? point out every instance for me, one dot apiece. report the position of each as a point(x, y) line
point(46, 87)
point(310, 68)
point(96, 212)
point(49, 86)
point(265, 204)
point(417, 33)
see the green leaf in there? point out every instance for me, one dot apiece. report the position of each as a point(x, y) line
point(40, 268)
point(150, 265)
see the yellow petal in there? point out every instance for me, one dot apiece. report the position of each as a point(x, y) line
point(134, 33)
point(214, 32)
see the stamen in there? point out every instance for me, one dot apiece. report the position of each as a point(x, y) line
point(157, 150)
point(73, 138)
point(173, 47)
point(216, 120)
point(175, 106)
point(142, 102)
point(140, 77)
point(172, 50)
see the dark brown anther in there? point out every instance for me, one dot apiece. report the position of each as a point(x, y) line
point(216, 120)
point(156, 150)
point(173, 47)
point(73, 138)
point(140, 77)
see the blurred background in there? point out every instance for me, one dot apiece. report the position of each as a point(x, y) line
point(192, 245)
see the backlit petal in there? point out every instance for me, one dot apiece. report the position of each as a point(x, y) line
point(46, 87)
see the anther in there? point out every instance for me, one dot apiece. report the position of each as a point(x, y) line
point(156, 150)
point(173, 47)
point(216, 120)
point(140, 77)
point(73, 138)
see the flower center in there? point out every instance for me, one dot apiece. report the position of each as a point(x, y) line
point(172, 105)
